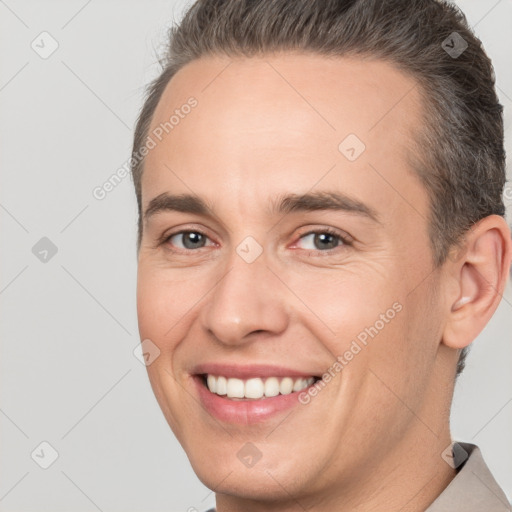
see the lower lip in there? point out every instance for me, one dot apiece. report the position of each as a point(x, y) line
point(244, 411)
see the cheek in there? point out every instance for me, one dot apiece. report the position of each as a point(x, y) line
point(367, 318)
point(163, 303)
point(344, 305)
point(401, 357)
point(162, 318)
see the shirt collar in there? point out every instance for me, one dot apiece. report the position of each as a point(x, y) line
point(473, 489)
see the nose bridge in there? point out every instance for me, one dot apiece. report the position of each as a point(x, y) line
point(245, 299)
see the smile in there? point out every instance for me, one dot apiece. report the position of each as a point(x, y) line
point(251, 394)
point(255, 388)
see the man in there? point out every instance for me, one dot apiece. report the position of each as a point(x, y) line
point(321, 237)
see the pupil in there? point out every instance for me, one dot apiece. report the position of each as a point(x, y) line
point(194, 238)
point(323, 236)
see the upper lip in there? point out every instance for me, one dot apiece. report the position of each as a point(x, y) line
point(248, 371)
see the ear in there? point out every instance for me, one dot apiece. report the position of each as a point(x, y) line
point(480, 271)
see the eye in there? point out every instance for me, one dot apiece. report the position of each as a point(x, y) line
point(187, 240)
point(323, 240)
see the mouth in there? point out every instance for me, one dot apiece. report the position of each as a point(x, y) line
point(255, 388)
point(248, 395)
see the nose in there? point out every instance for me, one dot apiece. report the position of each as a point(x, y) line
point(247, 299)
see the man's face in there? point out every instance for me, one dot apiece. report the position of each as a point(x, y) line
point(255, 291)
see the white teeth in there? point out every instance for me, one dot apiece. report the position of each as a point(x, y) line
point(235, 388)
point(286, 386)
point(220, 386)
point(271, 387)
point(256, 388)
point(212, 383)
point(298, 385)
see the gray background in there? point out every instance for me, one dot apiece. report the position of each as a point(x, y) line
point(68, 373)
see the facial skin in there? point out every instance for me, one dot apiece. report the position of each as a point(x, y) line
point(263, 128)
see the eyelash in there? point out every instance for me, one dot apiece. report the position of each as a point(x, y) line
point(344, 240)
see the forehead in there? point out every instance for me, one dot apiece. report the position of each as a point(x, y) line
point(286, 119)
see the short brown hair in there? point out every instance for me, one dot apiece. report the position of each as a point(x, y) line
point(459, 157)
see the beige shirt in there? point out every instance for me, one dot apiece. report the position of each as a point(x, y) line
point(473, 489)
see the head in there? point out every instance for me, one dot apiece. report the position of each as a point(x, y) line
point(337, 170)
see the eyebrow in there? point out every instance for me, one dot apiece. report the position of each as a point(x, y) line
point(311, 201)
